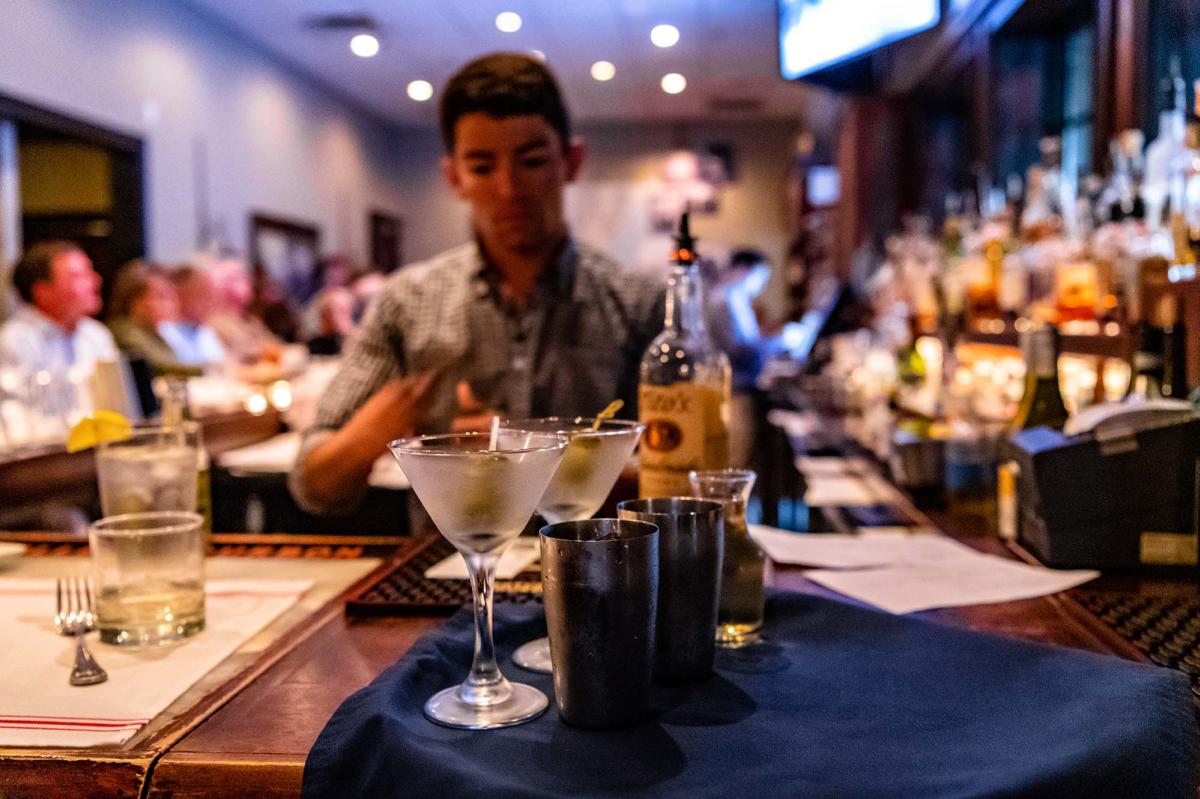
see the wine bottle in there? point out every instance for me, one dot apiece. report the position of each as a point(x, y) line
point(684, 386)
point(1147, 370)
point(1042, 403)
point(1041, 406)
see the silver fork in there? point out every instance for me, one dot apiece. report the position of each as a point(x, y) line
point(74, 617)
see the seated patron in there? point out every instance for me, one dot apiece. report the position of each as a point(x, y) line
point(52, 329)
point(335, 308)
point(244, 336)
point(142, 300)
point(194, 342)
point(521, 320)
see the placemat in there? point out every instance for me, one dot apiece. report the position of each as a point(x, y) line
point(39, 708)
point(840, 701)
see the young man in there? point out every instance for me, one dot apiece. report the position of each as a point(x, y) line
point(523, 320)
point(53, 330)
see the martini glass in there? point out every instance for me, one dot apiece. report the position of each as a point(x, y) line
point(589, 468)
point(480, 499)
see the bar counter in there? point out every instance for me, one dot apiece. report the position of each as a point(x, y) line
point(247, 732)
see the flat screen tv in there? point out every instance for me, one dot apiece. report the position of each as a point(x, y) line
point(816, 34)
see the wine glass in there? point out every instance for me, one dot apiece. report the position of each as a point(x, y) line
point(480, 497)
point(590, 466)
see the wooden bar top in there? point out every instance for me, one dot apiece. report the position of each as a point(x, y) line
point(256, 744)
point(250, 738)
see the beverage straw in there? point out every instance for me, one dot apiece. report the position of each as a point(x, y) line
point(609, 411)
point(495, 433)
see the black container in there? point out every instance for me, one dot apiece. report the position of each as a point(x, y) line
point(691, 543)
point(600, 586)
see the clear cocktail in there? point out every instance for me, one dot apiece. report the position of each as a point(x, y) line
point(480, 499)
point(590, 466)
point(153, 470)
point(149, 573)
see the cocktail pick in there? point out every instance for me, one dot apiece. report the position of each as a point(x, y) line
point(495, 433)
point(609, 411)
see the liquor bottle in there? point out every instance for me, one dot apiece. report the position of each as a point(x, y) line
point(1187, 232)
point(1041, 406)
point(1163, 154)
point(1042, 403)
point(1147, 367)
point(175, 411)
point(684, 387)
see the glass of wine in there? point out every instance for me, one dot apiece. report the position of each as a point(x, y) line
point(480, 492)
point(589, 468)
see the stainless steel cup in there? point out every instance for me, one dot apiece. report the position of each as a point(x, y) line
point(600, 586)
point(691, 541)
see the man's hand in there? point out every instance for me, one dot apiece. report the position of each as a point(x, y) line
point(334, 473)
point(473, 415)
point(393, 411)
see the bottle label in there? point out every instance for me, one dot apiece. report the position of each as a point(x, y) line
point(685, 430)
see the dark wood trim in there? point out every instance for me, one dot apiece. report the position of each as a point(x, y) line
point(23, 112)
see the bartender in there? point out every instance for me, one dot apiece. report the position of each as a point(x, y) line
point(522, 320)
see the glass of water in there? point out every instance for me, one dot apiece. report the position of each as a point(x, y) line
point(148, 570)
point(152, 470)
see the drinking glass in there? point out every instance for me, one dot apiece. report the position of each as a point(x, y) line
point(149, 575)
point(740, 615)
point(590, 466)
point(480, 499)
point(153, 470)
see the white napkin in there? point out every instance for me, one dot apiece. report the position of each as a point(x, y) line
point(903, 572)
point(39, 708)
point(980, 580)
point(520, 555)
point(871, 547)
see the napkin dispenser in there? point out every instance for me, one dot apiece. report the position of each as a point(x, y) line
point(1121, 496)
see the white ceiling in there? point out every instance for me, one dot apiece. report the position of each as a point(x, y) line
point(727, 51)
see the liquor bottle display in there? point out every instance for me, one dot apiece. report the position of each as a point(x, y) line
point(684, 387)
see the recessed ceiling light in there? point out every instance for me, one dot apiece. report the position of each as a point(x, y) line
point(603, 70)
point(538, 54)
point(420, 90)
point(364, 45)
point(664, 35)
point(508, 21)
point(673, 83)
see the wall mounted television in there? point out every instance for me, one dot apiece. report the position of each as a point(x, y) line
point(817, 34)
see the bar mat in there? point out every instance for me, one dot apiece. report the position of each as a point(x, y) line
point(1165, 629)
point(405, 590)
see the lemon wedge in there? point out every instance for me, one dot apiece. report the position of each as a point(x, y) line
point(98, 427)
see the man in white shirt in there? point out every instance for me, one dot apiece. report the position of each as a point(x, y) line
point(53, 330)
point(194, 342)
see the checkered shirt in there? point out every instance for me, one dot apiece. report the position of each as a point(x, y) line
point(574, 349)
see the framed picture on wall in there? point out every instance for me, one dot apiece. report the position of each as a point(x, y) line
point(285, 252)
point(386, 234)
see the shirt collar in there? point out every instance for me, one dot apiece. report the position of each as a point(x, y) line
point(37, 319)
point(557, 279)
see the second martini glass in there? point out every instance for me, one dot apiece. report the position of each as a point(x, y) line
point(480, 497)
point(586, 475)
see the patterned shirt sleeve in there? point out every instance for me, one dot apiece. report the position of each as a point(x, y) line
point(373, 358)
